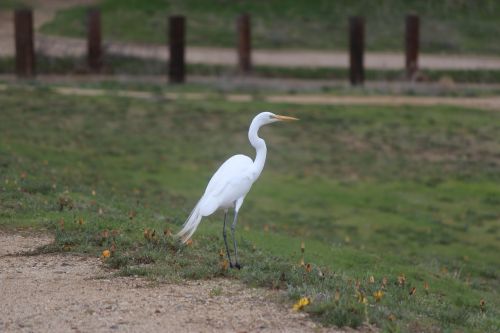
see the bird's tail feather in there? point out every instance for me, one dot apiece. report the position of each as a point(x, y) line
point(191, 224)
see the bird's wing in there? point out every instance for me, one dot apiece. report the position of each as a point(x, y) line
point(228, 181)
point(231, 168)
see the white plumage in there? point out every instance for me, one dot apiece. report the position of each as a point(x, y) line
point(231, 182)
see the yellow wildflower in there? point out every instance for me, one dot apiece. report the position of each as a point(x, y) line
point(372, 279)
point(362, 298)
point(304, 301)
point(106, 254)
point(378, 295)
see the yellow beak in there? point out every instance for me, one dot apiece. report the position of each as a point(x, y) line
point(285, 118)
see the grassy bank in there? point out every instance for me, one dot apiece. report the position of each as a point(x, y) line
point(385, 199)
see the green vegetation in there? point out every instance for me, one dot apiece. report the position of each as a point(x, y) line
point(410, 194)
point(11, 4)
point(454, 26)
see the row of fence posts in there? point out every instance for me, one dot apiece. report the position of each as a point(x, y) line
point(25, 53)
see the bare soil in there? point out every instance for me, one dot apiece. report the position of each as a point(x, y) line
point(67, 292)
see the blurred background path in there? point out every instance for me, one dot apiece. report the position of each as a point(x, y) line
point(480, 102)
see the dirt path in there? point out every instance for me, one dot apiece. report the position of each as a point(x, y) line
point(74, 47)
point(491, 103)
point(486, 103)
point(63, 46)
point(70, 293)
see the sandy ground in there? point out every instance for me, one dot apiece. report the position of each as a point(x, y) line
point(70, 293)
point(60, 46)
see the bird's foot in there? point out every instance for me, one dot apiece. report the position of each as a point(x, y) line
point(235, 265)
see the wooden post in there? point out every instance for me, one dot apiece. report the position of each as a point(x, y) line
point(176, 70)
point(25, 50)
point(412, 44)
point(94, 50)
point(244, 43)
point(356, 48)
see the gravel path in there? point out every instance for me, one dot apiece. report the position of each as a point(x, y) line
point(57, 46)
point(70, 293)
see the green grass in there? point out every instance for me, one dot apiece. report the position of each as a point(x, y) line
point(447, 26)
point(372, 191)
point(11, 4)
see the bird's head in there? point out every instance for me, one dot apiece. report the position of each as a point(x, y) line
point(265, 118)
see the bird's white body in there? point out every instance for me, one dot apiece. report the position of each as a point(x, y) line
point(232, 181)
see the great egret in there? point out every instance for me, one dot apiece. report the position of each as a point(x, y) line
point(231, 182)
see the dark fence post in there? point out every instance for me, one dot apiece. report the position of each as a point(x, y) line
point(176, 67)
point(25, 50)
point(94, 50)
point(412, 44)
point(356, 48)
point(244, 43)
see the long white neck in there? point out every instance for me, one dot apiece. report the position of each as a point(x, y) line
point(259, 145)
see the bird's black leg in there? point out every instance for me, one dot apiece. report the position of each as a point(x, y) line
point(233, 226)
point(225, 240)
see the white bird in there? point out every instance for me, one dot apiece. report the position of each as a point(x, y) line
point(231, 182)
